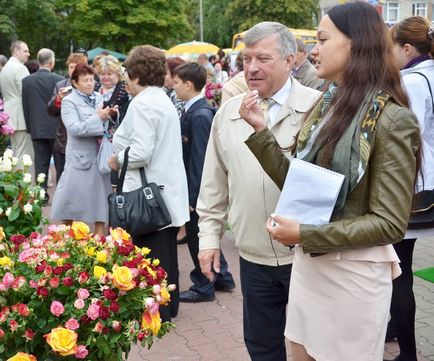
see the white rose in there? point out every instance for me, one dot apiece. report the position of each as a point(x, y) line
point(41, 178)
point(27, 208)
point(7, 165)
point(8, 153)
point(42, 194)
point(15, 161)
point(27, 178)
point(8, 211)
point(27, 160)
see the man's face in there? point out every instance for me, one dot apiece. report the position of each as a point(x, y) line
point(22, 54)
point(181, 88)
point(300, 57)
point(264, 67)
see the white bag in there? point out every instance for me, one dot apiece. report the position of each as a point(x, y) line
point(104, 154)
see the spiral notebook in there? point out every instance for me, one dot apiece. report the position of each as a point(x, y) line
point(309, 194)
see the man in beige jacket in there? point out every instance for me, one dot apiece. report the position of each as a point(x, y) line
point(11, 78)
point(235, 187)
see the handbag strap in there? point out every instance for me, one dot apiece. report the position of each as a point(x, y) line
point(429, 87)
point(124, 171)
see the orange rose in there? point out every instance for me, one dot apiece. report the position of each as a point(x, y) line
point(81, 230)
point(118, 234)
point(21, 356)
point(151, 322)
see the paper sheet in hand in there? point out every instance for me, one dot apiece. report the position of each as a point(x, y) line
point(309, 193)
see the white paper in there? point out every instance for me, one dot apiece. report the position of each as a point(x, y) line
point(309, 194)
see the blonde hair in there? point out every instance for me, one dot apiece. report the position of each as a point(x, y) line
point(108, 63)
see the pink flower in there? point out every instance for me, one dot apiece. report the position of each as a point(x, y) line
point(72, 324)
point(8, 279)
point(83, 293)
point(13, 325)
point(57, 308)
point(93, 311)
point(98, 327)
point(29, 334)
point(79, 304)
point(54, 282)
point(19, 282)
point(2, 333)
point(8, 129)
point(81, 352)
point(23, 310)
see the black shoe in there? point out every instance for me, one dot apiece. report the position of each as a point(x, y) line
point(223, 287)
point(192, 296)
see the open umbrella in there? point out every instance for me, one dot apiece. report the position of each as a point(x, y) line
point(193, 48)
point(94, 52)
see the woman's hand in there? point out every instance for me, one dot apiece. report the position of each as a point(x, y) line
point(113, 163)
point(283, 230)
point(251, 112)
point(104, 113)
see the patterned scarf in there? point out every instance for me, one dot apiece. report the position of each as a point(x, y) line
point(352, 152)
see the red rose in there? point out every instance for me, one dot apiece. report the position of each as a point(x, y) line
point(58, 270)
point(68, 281)
point(140, 336)
point(42, 291)
point(105, 330)
point(23, 310)
point(109, 294)
point(67, 266)
point(104, 313)
point(13, 325)
point(114, 307)
point(2, 333)
point(34, 235)
point(54, 282)
point(83, 277)
point(29, 334)
point(41, 267)
point(85, 320)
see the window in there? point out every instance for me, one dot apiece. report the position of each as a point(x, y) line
point(419, 9)
point(391, 11)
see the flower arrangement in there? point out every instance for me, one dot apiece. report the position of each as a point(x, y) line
point(20, 201)
point(73, 295)
point(213, 92)
point(6, 129)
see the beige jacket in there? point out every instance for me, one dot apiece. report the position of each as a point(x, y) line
point(235, 188)
point(11, 78)
point(234, 86)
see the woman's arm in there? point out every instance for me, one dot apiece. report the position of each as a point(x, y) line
point(80, 125)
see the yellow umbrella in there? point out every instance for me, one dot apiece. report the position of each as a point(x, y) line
point(193, 48)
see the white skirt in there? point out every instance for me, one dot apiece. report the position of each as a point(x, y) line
point(338, 308)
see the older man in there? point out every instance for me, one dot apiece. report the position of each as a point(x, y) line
point(11, 87)
point(37, 91)
point(303, 70)
point(234, 185)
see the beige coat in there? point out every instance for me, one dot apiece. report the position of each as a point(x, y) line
point(235, 187)
point(234, 86)
point(11, 78)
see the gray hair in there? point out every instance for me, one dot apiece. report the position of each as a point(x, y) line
point(16, 45)
point(286, 40)
point(45, 56)
point(3, 60)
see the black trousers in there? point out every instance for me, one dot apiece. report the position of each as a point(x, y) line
point(265, 296)
point(44, 149)
point(163, 246)
point(403, 306)
point(201, 284)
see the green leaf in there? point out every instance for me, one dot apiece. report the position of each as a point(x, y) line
point(15, 213)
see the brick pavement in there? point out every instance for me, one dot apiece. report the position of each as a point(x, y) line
point(212, 331)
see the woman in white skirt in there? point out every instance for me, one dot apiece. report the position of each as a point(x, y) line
point(341, 280)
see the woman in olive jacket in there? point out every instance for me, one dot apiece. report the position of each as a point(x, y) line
point(341, 281)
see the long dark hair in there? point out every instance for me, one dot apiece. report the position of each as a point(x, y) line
point(371, 67)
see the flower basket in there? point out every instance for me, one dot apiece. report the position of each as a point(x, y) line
point(71, 295)
point(20, 200)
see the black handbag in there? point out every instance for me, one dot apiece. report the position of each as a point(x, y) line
point(422, 215)
point(140, 211)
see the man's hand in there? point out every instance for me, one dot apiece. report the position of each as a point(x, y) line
point(209, 260)
point(251, 112)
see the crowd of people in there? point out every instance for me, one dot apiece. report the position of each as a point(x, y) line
point(359, 104)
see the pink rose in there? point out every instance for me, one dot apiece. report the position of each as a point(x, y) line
point(13, 325)
point(93, 311)
point(83, 293)
point(98, 327)
point(8, 279)
point(79, 304)
point(57, 308)
point(54, 282)
point(7, 129)
point(72, 324)
point(2, 333)
point(82, 352)
point(29, 334)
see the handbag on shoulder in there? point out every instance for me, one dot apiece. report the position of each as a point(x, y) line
point(422, 216)
point(140, 211)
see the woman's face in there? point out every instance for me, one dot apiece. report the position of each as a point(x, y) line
point(85, 84)
point(108, 79)
point(169, 82)
point(331, 52)
point(218, 67)
point(131, 85)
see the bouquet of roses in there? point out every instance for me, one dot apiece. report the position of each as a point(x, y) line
point(73, 295)
point(6, 129)
point(213, 92)
point(20, 201)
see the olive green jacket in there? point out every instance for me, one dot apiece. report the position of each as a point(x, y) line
point(376, 212)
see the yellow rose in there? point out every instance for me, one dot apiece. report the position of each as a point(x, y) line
point(63, 341)
point(81, 230)
point(151, 322)
point(60, 262)
point(101, 257)
point(123, 278)
point(156, 262)
point(5, 261)
point(21, 356)
point(90, 251)
point(144, 251)
point(2, 234)
point(98, 272)
point(118, 234)
point(165, 296)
